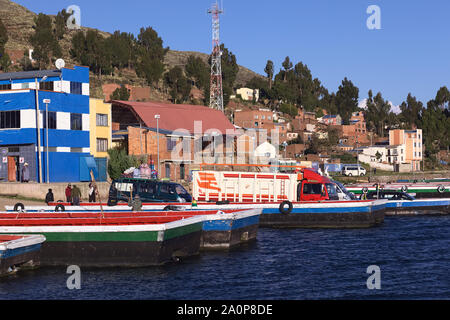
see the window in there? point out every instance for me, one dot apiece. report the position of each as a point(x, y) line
point(312, 188)
point(102, 145)
point(256, 117)
point(9, 119)
point(5, 86)
point(46, 86)
point(182, 174)
point(25, 85)
point(102, 120)
point(75, 88)
point(75, 121)
point(171, 144)
point(51, 119)
point(269, 118)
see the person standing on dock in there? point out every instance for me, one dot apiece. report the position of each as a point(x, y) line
point(69, 193)
point(25, 173)
point(49, 197)
point(92, 192)
point(76, 196)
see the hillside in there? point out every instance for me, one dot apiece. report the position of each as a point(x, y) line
point(19, 22)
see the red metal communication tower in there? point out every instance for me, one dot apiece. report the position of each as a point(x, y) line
point(216, 89)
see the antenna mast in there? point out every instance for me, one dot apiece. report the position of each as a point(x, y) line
point(216, 89)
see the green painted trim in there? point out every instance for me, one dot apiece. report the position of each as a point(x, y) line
point(181, 231)
point(132, 236)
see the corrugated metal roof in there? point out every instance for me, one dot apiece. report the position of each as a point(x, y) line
point(30, 74)
point(177, 116)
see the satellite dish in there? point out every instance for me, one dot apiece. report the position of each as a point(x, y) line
point(60, 64)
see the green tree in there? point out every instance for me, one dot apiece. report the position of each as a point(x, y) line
point(61, 23)
point(436, 123)
point(377, 113)
point(198, 71)
point(150, 57)
point(411, 112)
point(230, 69)
point(122, 94)
point(45, 45)
point(179, 85)
point(25, 62)
point(269, 70)
point(119, 161)
point(92, 49)
point(347, 100)
point(289, 109)
point(287, 65)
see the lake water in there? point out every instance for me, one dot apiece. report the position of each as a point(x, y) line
point(411, 252)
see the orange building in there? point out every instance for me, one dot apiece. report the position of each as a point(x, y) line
point(256, 119)
point(413, 141)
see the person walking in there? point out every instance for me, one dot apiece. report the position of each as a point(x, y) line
point(76, 196)
point(49, 197)
point(92, 192)
point(69, 193)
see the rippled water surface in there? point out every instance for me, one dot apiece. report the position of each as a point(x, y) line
point(412, 253)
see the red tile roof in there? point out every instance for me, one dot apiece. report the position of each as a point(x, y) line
point(178, 116)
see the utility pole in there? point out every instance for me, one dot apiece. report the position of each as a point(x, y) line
point(47, 101)
point(38, 130)
point(216, 88)
point(157, 117)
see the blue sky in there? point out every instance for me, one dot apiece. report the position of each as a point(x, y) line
point(411, 52)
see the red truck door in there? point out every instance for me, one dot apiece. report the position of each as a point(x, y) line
point(313, 191)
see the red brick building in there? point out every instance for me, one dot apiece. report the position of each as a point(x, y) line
point(185, 134)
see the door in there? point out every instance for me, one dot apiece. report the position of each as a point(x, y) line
point(312, 192)
point(12, 169)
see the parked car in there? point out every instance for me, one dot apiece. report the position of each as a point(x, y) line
point(148, 190)
point(355, 170)
point(389, 195)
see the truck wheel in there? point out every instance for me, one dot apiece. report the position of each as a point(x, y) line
point(19, 207)
point(285, 210)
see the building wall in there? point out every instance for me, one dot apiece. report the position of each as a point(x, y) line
point(413, 141)
point(253, 118)
point(247, 94)
point(97, 106)
point(66, 148)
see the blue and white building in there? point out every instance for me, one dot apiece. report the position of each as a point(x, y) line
point(57, 111)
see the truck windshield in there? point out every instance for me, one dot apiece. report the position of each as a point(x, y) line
point(331, 188)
